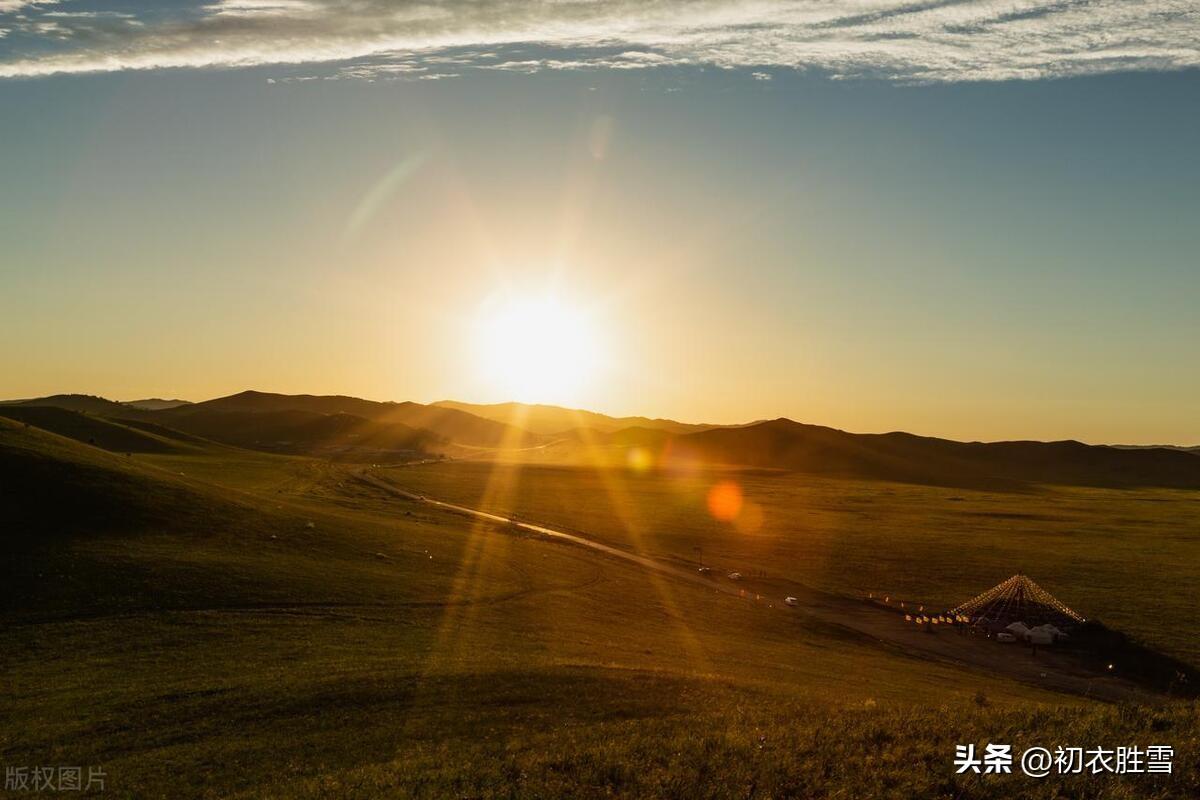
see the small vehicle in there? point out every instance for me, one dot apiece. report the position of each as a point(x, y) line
point(1005, 637)
point(735, 576)
point(704, 570)
point(791, 601)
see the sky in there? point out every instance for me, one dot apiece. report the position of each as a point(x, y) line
point(962, 219)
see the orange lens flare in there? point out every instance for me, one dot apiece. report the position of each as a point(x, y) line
point(639, 459)
point(725, 501)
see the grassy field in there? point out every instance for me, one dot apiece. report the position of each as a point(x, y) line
point(1128, 557)
point(213, 623)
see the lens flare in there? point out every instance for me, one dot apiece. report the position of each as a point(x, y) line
point(639, 460)
point(725, 501)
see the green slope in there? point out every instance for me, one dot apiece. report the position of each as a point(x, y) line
point(119, 436)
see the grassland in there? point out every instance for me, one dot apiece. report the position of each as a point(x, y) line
point(1125, 556)
point(214, 623)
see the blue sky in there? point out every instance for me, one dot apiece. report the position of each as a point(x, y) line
point(967, 219)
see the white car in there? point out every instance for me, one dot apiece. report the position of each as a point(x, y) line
point(791, 601)
point(704, 570)
point(735, 576)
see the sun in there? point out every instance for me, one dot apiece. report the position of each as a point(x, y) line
point(537, 348)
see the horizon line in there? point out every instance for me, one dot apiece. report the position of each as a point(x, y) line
point(740, 424)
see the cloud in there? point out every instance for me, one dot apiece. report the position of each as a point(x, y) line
point(11, 6)
point(902, 40)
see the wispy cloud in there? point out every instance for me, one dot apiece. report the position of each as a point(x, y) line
point(904, 40)
point(12, 6)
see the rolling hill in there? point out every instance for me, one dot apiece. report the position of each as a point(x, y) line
point(155, 404)
point(307, 433)
point(548, 420)
point(450, 424)
point(351, 427)
point(133, 437)
point(336, 435)
point(59, 486)
point(85, 403)
point(88, 532)
point(903, 457)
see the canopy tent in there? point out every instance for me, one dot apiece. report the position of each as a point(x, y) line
point(1017, 599)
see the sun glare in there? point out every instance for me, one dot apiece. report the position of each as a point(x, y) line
point(537, 348)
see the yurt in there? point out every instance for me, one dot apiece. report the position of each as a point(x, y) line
point(1018, 629)
point(1047, 630)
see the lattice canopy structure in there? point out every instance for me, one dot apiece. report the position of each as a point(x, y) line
point(1017, 599)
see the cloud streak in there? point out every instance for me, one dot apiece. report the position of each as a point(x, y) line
point(902, 40)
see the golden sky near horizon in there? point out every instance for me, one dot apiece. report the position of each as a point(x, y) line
point(607, 345)
point(971, 262)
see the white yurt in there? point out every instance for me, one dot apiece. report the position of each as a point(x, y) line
point(1040, 635)
point(1049, 630)
point(1018, 629)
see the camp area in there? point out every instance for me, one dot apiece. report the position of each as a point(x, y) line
point(1060, 645)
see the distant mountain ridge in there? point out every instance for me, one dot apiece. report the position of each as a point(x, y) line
point(1180, 447)
point(337, 424)
point(905, 457)
point(448, 423)
point(306, 432)
point(155, 404)
point(85, 403)
point(550, 420)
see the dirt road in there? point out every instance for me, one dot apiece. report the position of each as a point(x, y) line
point(1051, 670)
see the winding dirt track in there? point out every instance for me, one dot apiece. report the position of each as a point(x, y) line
point(1050, 670)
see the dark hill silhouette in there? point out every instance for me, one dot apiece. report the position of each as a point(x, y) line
point(332, 425)
point(256, 402)
point(450, 424)
point(85, 403)
point(307, 432)
point(904, 457)
point(1182, 448)
point(97, 431)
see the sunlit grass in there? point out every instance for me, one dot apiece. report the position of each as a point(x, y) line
point(1109, 553)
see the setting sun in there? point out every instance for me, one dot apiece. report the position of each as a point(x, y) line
point(590, 399)
point(537, 348)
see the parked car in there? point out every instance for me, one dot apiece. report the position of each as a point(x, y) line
point(1004, 636)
